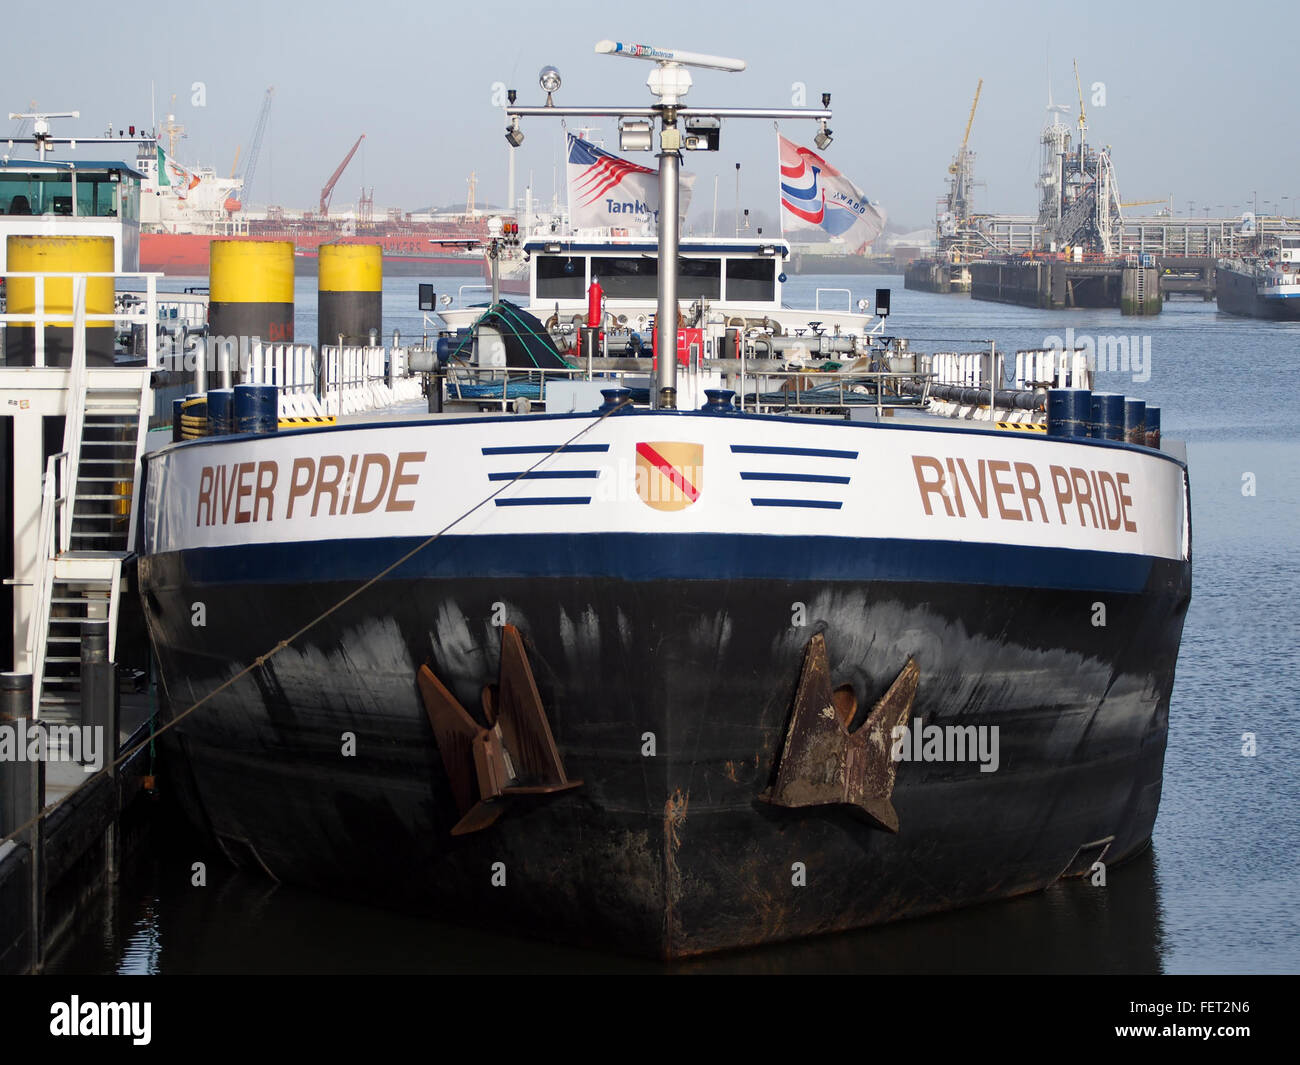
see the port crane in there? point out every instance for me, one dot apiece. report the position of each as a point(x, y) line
point(965, 137)
point(962, 171)
point(255, 146)
point(957, 237)
point(328, 190)
point(1083, 119)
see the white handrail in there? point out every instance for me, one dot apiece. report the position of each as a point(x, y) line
point(848, 299)
point(47, 551)
point(39, 317)
point(76, 409)
point(142, 425)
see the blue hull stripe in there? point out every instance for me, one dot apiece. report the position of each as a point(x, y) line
point(809, 478)
point(660, 557)
point(812, 504)
point(545, 501)
point(810, 452)
point(543, 475)
point(543, 449)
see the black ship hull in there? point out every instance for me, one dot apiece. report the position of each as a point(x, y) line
point(1237, 293)
point(670, 699)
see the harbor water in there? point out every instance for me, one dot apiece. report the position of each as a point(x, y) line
point(1219, 891)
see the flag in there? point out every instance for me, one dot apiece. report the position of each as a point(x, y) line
point(172, 175)
point(817, 201)
point(606, 190)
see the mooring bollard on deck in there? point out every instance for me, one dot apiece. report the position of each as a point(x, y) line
point(22, 796)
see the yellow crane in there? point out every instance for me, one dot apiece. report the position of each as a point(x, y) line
point(969, 122)
point(235, 165)
point(1144, 203)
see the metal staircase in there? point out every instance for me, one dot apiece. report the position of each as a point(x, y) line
point(106, 461)
point(87, 520)
point(1077, 225)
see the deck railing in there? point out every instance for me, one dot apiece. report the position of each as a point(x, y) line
point(119, 318)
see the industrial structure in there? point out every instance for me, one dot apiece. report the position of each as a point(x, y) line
point(1080, 205)
point(1080, 233)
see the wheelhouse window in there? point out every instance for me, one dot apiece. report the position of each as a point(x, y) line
point(637, 277)
point(561, 277)
point(751, 280)
point(700, 279)
point(627, 276)
point(31, 194)
point(95, 195)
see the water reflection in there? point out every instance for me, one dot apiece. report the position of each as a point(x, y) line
point(240, 923)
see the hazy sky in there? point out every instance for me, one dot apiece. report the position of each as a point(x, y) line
point(1200, 98)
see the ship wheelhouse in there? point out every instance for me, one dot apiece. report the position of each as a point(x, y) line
point(1281, 281)
point(744, 274)
point(83, 199)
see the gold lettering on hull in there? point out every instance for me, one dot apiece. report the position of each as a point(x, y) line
point(328, 486)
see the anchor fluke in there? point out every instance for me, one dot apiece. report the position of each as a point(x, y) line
point(514, 756)
point(823, 763)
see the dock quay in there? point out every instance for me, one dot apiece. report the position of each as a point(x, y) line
point(70, 813)
point(937, 275)
point(1056, 284)
point(77, 698)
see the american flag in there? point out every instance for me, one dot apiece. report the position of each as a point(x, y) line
point(600, 171)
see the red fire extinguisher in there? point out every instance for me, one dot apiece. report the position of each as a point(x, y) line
point(595, 308)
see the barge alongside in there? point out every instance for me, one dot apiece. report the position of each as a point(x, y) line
point(1262, 285)
point(683, 656)
point(788, 635)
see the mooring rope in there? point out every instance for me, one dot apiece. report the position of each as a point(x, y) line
point(262, 659)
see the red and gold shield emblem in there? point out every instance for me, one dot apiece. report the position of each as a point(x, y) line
point(669, 475)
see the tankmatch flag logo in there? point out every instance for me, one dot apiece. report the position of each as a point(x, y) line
point(606, 190)
point(669, 474)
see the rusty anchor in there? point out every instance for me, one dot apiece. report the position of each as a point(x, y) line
point(822, 762)
point(515, 755)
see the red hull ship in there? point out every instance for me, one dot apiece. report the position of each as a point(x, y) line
point(186, 254)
